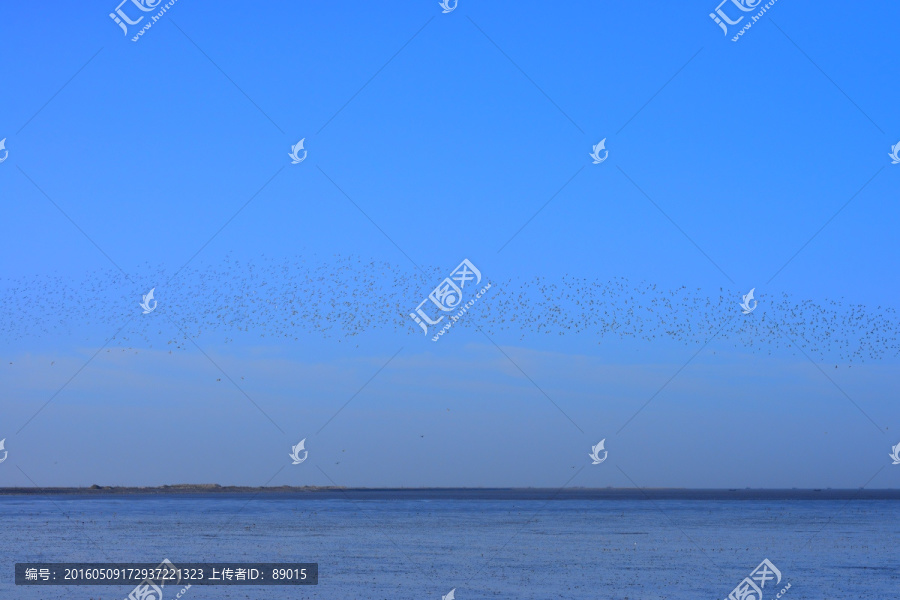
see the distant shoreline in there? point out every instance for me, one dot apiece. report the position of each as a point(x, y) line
point(328, 492)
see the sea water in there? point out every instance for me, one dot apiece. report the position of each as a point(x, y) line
point(404, 545)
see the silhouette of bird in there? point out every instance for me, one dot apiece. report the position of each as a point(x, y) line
point(343, 296)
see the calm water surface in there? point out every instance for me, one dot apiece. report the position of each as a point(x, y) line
point(407, 547)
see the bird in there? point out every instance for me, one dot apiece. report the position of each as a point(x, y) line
point(287, 298)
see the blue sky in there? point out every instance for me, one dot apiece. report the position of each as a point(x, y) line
point(432, 138)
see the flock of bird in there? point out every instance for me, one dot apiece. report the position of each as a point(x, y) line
point(345, 296)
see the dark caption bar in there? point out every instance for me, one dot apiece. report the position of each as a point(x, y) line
point(167, 574)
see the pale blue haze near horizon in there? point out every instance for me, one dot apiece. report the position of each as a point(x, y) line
point(449, 148)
